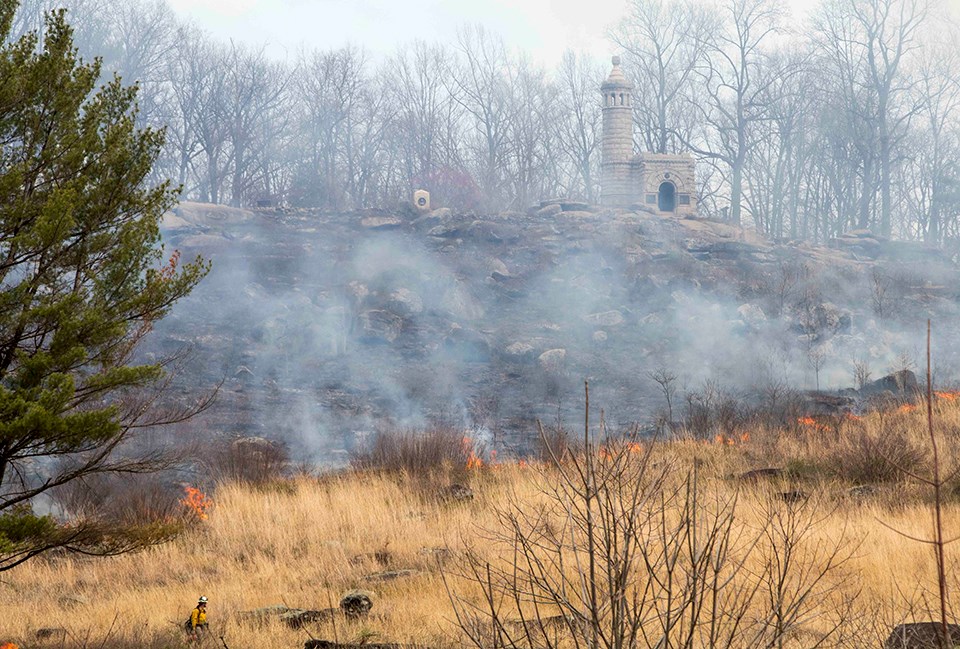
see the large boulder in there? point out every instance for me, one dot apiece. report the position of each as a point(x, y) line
point(902, 384)
point(823, 321)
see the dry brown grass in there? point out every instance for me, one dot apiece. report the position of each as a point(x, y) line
point(306, 541)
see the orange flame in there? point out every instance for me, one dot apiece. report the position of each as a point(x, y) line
point(807, 421)
point(852, 417)
point(744, 437)
point(949, 396)
point(905, 408)
point(8, 645)
point(196, 501)
point(521, 464)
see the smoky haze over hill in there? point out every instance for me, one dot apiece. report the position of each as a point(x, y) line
point(329, 327)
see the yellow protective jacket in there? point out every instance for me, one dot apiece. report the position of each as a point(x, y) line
point(198, 618)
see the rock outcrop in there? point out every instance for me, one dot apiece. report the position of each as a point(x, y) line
point(343, 323)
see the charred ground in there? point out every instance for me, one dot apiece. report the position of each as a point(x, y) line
point(327, 327)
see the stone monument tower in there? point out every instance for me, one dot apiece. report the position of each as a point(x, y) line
point(617, 144)
point(656, 182)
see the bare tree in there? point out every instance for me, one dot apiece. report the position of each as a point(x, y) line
point(480, 85)
point(869, 43)
point(736, 87)
point(665, 42)
point(329, 85)
point(578, 128)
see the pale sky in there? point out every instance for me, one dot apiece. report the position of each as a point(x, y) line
point(544, 28)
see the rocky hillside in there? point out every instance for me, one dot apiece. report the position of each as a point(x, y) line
point(328, 326)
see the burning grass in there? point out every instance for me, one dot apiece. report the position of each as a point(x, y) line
point(307, 544)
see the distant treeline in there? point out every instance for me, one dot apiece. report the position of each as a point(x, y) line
point(806, 129)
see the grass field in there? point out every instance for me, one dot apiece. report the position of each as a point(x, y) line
point(305, 541)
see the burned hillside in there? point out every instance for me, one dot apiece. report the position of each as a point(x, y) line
point(326, 327)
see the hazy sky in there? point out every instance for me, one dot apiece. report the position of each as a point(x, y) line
point(543, 27)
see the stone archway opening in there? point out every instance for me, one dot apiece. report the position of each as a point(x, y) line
point(667, 197)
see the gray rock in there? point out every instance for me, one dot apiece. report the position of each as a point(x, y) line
point(263, 614)
point(921, 635)
point(381, 222)
point(549, 210)
point(446, 231)
point(356, 603)
point(389, 575)
point(823, 321)
point(379, 325)
point(296, 618)
point(605, 319)
point(901, 384)
point(329, 644)
point(758, 474)
point(552, 360)
point(751, 315)
point(519, 350)
point(405, 302)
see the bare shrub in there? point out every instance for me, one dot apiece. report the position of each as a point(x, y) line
point(417, 452)
point(251, 460)
point(122, 500)
point(556, 441)
point(712, 410)
point(622, 549)
point(867, 457)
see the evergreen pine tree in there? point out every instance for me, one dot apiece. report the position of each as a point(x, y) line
point(82, 280)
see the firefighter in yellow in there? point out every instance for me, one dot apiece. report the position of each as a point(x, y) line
point(198, 619)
